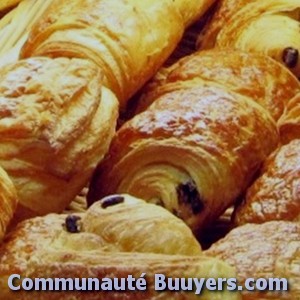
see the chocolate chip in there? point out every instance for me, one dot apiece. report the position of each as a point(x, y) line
point(112, 200)
point(187, 193)
point(290, 57)
point(71, 223)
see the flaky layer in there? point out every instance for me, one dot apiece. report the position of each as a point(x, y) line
point(194, 151)
point(289, 122)
point(56, 123)
point(269, 27)
point(116, 237)
point(270, 250)
point(8, 201)
point(252, 75)
point(275, 195)
point(128, 40)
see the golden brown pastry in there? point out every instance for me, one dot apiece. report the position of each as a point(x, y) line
point(56, 123)
point(269, 27)
point(116, 237)
point(6, 4)
point(8, 201)
point(193, 151)
point(129, 40)
point(15, 26)
point(275, 195)
point(289, 122)
point(253, 75)
point(269, 250)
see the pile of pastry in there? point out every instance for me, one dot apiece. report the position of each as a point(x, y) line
point(216, 129)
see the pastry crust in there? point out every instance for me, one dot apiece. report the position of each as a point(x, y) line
point(194, 151)
point(250, 74)
point(6, 4)
point(128, 40)
point(289, 123)
point(8, 201)
point(56, 123)
point(275, 195)
point(269, 250)
point(114, 239)
point(269, 27)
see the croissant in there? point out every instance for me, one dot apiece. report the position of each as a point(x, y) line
point(15, 26)
point(253, 75)
point(193, 151)
point(269, 250)
point(8, 201)
point(56, 123)
point(129, 40)
point(116, 237)
point(275, 195)
point(269, 27)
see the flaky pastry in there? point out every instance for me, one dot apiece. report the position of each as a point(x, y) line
point(275, 195)
point(193, 151)
point(270, 27)
point(269, 250)
point(6, 4)
point(56, 123)
point(128, 40)
point(116, 237)
point(289, 122)
point(8, 201)
point(256, 76)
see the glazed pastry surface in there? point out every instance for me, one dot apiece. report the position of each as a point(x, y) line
point(56, 123)
point(8, 201)
point(250, 74)
point(269, 250)
point(98, 244)
point(128, 40)
point(193, 151)
point(275, 195)
point(269, 27)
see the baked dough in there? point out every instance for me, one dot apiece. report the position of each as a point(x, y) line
point(128, 40)
point(250, 74)
point(193, 151)
point(56, 123)
point(289, 122)
point(269, 27)
point(275, 195)
point(8, 201)
point(116, 237)
point(6, 4)
point(269, 250)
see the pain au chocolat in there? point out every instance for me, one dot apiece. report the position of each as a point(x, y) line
point(196, 148)
point(256, 76)
point(56, 123)
point(116, 237)
point(267, 27)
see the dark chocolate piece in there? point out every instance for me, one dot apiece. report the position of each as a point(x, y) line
point(290, 57)
point(112, 200)
point(188, 194)
point(72, 225)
